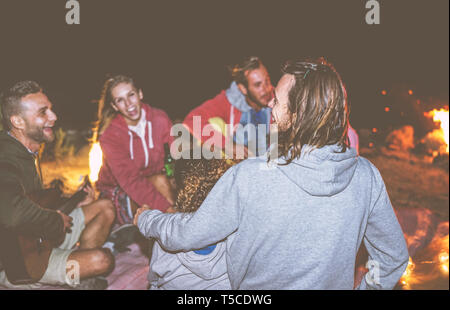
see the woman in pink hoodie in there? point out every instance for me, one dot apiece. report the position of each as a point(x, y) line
point(132, 135)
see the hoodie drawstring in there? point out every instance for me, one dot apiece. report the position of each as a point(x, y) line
point(144, 145)
point(231, 121)
point(131, 144)
point(150, 138)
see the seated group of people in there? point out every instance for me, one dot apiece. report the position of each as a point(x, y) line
point(293, 220)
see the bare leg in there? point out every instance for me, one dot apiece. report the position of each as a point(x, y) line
point(99, 217)
point(93, 263)
point(163, 185)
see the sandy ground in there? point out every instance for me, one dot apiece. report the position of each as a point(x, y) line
point(412, 182)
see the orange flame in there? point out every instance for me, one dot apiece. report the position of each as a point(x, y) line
point(441, 117)
point(407, 275)
point(95, 162)
point(443, 259)
point(443, 255)
point(431, 265)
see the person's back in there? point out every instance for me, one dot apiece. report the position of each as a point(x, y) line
point(302, 229)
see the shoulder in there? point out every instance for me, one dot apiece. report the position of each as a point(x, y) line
point(115, 133)
point(252, 168)
point(369, 170)
point(220, 98)
point(12, 152)
point(364, 163)
point(154, 114)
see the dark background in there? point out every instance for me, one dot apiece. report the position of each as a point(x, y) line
point(179, 51)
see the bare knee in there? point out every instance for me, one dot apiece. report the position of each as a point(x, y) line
point(102, 261)
point(107, 210)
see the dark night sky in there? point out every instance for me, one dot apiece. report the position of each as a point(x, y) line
point(179, 50)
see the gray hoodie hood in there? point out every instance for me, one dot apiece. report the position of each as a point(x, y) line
point(322, 172)
point(188, 270)
point(236, 98)
point(208, 267)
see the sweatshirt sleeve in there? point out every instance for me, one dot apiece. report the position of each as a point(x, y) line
point(20, 214)
point(216, 107)
point(384, 240)
point(215, 220)
point(128, 175)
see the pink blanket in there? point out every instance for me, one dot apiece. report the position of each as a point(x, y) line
point(130, 272)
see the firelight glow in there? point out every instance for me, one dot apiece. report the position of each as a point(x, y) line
point(95, 162)
point(407, 275)
point(440, 116)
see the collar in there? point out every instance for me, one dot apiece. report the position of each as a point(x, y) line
point(236, 98)
point(140, 126)
point(35, 154)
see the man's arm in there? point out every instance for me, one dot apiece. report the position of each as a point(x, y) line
point(21, 214)
point(384, 240)
point(216, 219)
point(216, 107)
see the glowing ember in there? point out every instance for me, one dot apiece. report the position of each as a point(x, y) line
point(406, 277)
point(95, 162)
point(440, 116)
point(443, 256)
point(443, 259)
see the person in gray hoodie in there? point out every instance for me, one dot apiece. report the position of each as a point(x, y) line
point(297, 219)
point(202, 269)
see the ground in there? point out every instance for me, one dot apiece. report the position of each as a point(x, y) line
point(411, 182)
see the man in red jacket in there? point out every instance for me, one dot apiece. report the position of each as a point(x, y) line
point(244, 102)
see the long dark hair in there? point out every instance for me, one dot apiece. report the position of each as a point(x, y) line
point(318, 108)
point(105, 111)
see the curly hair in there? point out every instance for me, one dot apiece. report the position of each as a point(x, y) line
point(195, 178)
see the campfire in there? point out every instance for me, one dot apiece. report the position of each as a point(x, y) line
point(95, 162)
point(440, 134)
point(432, 266)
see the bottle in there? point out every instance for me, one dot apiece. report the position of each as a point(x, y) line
point(169, 164)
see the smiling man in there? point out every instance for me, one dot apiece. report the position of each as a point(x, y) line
point(244, 103)
point(28, 120)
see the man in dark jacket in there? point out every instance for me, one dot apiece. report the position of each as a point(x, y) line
point(27, 120)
